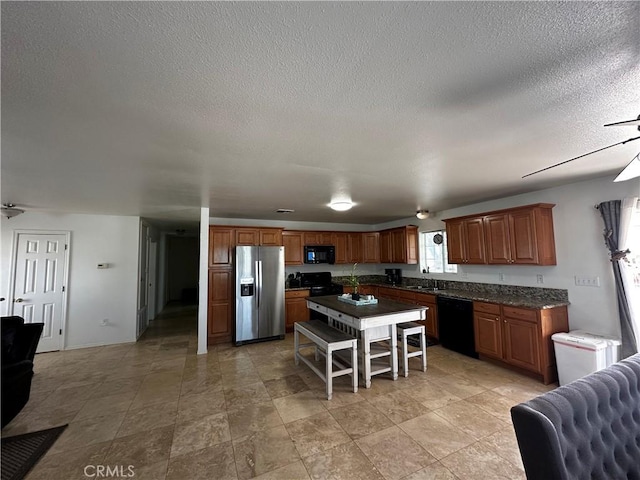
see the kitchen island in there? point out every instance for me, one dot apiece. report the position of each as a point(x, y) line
point(371, 324)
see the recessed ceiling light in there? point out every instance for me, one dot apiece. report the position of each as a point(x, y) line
point(285, 210)
point(341, 206)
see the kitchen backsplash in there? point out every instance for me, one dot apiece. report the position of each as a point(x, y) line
point(554, 294)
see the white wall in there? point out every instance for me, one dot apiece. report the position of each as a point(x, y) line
point(92, 294)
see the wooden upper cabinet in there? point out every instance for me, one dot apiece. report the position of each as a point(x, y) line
point(399, 245)
point(293, 250)
point(465, 241)
point(221, 243)
point(341, 242)
point(385, 246)
point(371, 244)
point(259, 236)
point(356, 247)
point(496, 229)
point(271, 237)
point(522, 235)
point(317, 238)
point(247, 236)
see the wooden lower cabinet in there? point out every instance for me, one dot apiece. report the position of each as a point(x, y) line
point(296, 310)
point(520, 337)
point(431, 323)
point(221, 306)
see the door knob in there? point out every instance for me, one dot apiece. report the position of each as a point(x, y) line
point(2, 299)
point(18, 300)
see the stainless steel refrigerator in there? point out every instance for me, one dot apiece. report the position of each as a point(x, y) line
point(260, 280)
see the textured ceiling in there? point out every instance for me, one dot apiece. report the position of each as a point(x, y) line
point(159, 108)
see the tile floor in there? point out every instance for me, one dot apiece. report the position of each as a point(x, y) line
point(249, 412)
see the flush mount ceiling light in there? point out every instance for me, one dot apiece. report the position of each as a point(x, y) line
point(423, 214)
point(632, 170)
point(341, 206)
point(9, 210)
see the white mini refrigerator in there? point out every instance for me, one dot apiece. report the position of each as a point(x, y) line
point(579, 353)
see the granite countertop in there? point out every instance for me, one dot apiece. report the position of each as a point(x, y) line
point(525, 297)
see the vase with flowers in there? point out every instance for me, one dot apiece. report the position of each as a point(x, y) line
point(353, 282)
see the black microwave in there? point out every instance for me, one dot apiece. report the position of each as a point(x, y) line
point(320, 254)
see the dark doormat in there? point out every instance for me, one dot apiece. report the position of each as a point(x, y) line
point(21, 452)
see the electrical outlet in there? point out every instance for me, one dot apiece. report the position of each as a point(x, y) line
point(501, 277)
point(539, 278)
point(465, 275)
point(587, 281)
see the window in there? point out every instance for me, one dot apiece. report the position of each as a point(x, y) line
point(433, 253)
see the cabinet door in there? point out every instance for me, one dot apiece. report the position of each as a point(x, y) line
point(411, 244)
point(312, 238)
point(295, 308)
point(496, 229)
point(293, 251)
point(474, 241)
point(341, 242)
point(220, 311)
point(220, 246)
point(431, 322)
point(385, 246)
point(388, 293)
point(521, 343)
point(271, 237)
point(398, 246)
point(488, 334)
point(247, 236)
point(355, 247)
point(524, 249)
point(371, 243)
point(455, 241)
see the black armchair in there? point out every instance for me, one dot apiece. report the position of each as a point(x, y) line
point(19, 343)
point(589, 428)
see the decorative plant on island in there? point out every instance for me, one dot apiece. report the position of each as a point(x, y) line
point(353, 282)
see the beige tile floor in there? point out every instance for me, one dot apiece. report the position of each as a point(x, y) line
point(249, 412)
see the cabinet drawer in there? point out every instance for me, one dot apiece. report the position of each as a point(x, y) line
point(484, 307)
point(405, 296)
point(425, 298)
point(520, 313)
point(342, 317)
point(317, 308)
point(296, 294)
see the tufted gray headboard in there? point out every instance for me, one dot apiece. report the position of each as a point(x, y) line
point(587, 429)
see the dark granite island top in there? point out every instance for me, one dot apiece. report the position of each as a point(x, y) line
point(383, 308)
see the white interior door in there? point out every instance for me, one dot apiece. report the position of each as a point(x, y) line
point(38, 284)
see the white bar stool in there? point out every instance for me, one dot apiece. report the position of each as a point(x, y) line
point(412, 328)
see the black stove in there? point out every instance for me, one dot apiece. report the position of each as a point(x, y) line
point(319, 284)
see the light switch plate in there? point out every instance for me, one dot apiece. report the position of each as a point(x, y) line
point(587, 280)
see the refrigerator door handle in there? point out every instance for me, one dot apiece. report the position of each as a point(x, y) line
point(259, 282)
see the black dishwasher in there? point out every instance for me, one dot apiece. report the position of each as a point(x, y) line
point(455, 325)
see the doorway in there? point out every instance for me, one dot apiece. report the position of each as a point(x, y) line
point(38, 283)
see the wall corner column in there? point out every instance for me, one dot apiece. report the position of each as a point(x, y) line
point(203, 281)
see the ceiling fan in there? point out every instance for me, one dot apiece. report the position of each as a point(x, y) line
point(10, 210)
point(632, 170)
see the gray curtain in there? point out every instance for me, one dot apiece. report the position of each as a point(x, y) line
point(610, 212)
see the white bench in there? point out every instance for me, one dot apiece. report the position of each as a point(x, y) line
point(326, 340)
